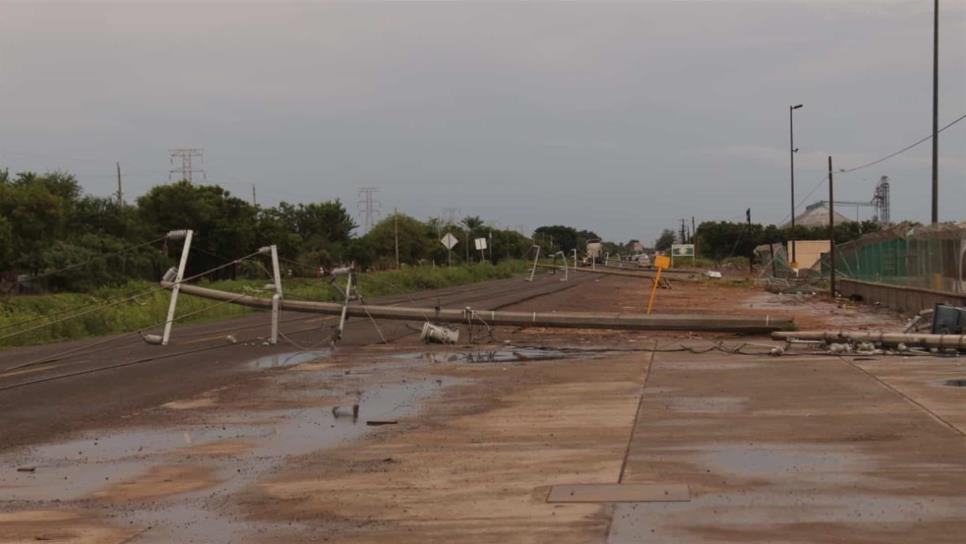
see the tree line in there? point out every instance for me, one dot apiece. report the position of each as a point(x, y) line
point(718, 240)
point(54, 234)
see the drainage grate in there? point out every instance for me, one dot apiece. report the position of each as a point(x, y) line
point(960, 382)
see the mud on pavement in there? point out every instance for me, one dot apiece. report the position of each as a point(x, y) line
point(279, 454)
point(414, 444)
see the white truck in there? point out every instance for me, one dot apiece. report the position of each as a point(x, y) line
point(595, 252)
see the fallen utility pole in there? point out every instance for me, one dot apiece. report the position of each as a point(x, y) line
point(954, 341)
point(682, 322)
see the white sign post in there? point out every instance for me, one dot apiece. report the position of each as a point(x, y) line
point(480, 246)
point(448, 242)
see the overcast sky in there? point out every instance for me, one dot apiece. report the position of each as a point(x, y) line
point(620, 118)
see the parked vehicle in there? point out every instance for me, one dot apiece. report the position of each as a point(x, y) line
point(641, 259)
point(595, 252)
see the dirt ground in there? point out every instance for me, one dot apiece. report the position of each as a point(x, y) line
point(409, 443)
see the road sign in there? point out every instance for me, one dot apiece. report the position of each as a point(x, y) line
point(449, 241)
point(660, 262)
point(682, 250)
point(480, 243)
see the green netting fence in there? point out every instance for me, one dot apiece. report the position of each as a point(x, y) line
point(931, 257)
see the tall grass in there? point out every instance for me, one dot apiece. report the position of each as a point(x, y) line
point(38, 319)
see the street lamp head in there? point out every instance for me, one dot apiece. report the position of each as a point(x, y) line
point(796, 107)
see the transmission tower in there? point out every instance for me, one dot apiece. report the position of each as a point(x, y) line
point(450, 216)
point(368, 207)
point(881, 201)
point(187, 169)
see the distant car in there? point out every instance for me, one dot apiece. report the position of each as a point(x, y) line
point(643, 259)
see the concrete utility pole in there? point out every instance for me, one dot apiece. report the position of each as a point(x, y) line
point(395, 227)
point(254, 202)
point(368, 206)
point(935, 112)
point(792, 150)
point(120, 190)
point(491, 246)
point(831, 230)
point(186, 155)
point(751, 255)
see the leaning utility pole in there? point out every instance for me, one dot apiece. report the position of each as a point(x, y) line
point(369, 207)
point(186, 156)
point(793, 264)
point(935, 112)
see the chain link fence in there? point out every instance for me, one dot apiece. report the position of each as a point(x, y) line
point(929, 257)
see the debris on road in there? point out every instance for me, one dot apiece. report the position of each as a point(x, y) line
point(438, 335)
point(867, 340)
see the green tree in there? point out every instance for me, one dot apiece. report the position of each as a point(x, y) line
point(473, 222)
point(224, 225)
point(556, 238)
point(665, 240)
point(6, 244)
point(415, 241)
point(36, 208)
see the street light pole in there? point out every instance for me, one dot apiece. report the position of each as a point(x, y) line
point(791, 149)
point(935, 113)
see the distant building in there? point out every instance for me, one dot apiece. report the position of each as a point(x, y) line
point(816, 215)
point(808, 252)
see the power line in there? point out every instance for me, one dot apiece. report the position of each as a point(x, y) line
point(903, 150)
point(81, 313)
point(824, 177)
point(92, 259)
point(116, 302)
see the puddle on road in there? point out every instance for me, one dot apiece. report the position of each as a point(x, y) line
point(77, 468)
point(959, 382)
point(505, 355)
point(282, 360)
point(293, 433)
